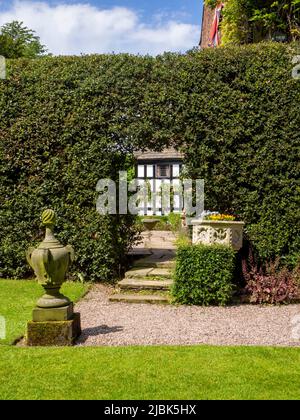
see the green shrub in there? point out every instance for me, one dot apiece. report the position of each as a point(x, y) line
point(56, 142)
point(175, 221)
point(66, 122)
point(242, 137)
point(204, 275)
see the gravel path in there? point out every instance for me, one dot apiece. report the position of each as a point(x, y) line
point(121, 324)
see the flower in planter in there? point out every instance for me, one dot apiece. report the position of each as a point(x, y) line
point(220, 217)
point(207, 213)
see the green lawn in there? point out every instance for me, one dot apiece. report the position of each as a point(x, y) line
point(199, 372)
point(18, 298)
point(149, 373)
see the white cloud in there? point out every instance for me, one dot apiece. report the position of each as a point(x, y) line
point(83, 28)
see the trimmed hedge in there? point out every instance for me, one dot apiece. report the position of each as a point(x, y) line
point(56, 142)
point(65, 122)
point(204, 275)
point(242, 132)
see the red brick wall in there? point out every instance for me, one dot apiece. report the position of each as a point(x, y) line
point(207, 20)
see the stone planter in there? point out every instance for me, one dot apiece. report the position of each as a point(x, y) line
point(211, 232)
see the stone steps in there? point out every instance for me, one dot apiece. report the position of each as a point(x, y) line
point(158, 264)
point(149, 281)
point(160, 241)
point(142, 272)
point(138, 284)
point(136, 298)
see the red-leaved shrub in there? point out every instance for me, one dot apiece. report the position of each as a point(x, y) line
point(272, 285)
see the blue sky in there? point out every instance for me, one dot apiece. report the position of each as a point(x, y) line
point(102, 26)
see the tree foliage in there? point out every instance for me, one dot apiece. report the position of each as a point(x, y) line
point(17, 41)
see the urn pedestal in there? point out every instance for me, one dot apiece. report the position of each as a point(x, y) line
point(54, 322)
point(211, 232)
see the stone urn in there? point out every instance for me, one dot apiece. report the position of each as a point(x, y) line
point(50, 262)
point(211, 232)
point(149, 225)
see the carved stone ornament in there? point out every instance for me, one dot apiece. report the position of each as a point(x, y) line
point(211, 232)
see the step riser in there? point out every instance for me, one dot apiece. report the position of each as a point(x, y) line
point(155, 265)
point(133, 275)
point(127, 299)
point(145, 285)
point(142, 288)
point(149, 277)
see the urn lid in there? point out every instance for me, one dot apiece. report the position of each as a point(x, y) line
point(49, 220)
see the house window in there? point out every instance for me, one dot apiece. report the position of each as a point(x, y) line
point(176, 171)
point(141, 171)
point(150, 171)
point(163, 171)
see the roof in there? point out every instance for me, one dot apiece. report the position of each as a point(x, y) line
point(166, 154)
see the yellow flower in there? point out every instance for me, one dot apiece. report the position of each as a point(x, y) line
point(221, 217)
